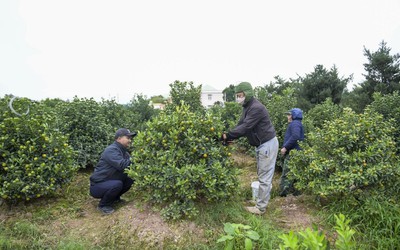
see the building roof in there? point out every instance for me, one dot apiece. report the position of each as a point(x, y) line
point(208, 88)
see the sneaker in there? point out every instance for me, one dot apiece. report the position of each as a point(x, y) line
point(255, 210)
point(106, 209)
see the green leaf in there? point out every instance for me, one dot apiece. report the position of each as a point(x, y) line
point(229, 228)
point(248, 244)
point(225, 238)
point(253, 235)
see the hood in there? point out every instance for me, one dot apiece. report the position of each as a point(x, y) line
point(247, 89)
point(297, 114)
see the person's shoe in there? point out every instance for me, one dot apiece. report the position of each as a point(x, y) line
point(296, 193)
point(252, 202)
point(106, 209)
point(255, 210)
point(284, 193)
point(120, 201)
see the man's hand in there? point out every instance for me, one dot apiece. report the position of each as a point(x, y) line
point(283, 151)
point(224, 139)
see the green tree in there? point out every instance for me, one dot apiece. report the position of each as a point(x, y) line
point(321, 113)
point(229, 93)
point(321, 84)
point(276, 87)
point(119, 115)
point(382, 75)
point(158, 99)
point(141, 110)
point(85, 123)
point(35, 158)
point(389, 107)
point(355, 99)
point(187, 93)
point(179, 161)
point(348, 157)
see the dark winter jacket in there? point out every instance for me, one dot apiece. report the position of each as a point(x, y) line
point(254, 123)
point(114, 159)
point(294, 132)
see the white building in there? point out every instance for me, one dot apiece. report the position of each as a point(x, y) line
point(210, 95)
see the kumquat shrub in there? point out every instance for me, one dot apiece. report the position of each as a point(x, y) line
point(86, 124)
point(350, 156)
point(179, 160)
point(34, 159)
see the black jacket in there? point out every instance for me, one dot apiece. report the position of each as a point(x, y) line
point(254, 123)
point(114, 159)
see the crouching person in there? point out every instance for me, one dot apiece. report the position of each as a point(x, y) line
point(108, 181)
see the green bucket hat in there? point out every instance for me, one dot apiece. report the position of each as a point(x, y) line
point(246, 88)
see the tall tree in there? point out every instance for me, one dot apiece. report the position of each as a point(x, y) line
point(382, 75)
point(383, 71)
point(278, 86)
point(321, 84)
point(229, 93)
point(141, 108)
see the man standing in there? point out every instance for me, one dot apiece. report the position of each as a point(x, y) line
point(108, 181)
point(294, 134)
point(256, 125)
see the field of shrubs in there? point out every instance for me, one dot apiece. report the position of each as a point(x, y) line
point(348, 169)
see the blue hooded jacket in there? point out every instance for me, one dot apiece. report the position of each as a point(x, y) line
point(295, 131)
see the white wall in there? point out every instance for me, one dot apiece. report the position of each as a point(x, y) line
point(208, 98)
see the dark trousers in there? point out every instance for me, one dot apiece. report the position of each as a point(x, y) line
point(110, 191)
point(286, 186)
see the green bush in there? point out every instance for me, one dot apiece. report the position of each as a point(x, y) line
point(179, 160)
point(320, 113)
point(87, 127)
point(347, 156)
point(141, 110)
point(389, 107)
point(35, 160)
point(118, 115)
point(229, 113)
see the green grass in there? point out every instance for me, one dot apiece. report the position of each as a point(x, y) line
point(376, 220)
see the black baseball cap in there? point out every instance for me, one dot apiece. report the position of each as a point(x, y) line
point(124, 132)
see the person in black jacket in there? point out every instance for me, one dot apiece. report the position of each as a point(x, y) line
point(294, 134)
point(256, 125)
point(108, 181)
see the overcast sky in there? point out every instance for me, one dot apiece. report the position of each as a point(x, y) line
point(115, 49)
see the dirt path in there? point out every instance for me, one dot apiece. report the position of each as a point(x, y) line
point(128, 220)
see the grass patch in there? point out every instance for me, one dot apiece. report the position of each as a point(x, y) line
point(376, 219)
